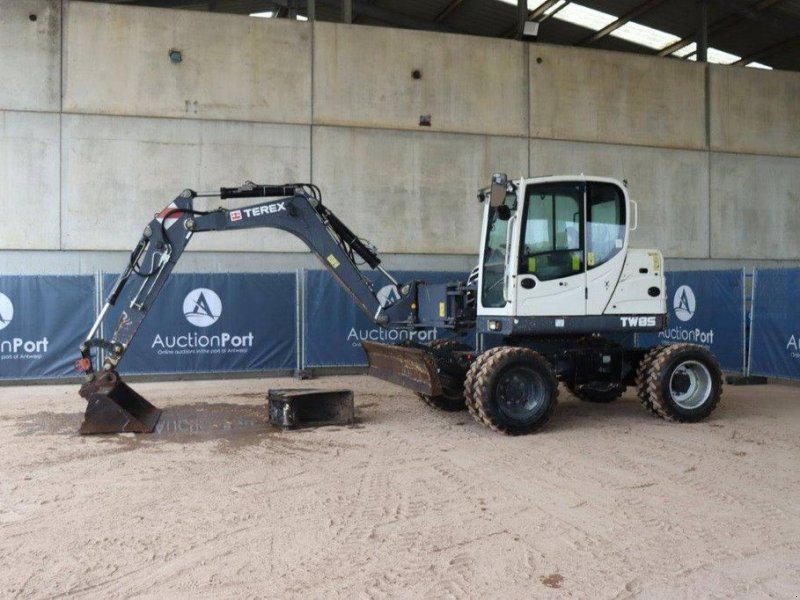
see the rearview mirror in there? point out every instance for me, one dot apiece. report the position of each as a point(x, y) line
point(498, 192)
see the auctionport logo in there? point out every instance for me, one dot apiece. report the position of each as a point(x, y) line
point(202, 307)
point(388, 295)
point(684, 303)
point(6, 311)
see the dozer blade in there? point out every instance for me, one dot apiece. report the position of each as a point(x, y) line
point(412, 368)
point(113, 407)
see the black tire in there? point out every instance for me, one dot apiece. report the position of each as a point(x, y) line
point(511, 390)
point(684, 383)
point(641, 379)
point(599, 392)
point(452, 400)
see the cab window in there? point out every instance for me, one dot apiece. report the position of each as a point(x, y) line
point(552, 236)
point(605, 223)
point(494, 258)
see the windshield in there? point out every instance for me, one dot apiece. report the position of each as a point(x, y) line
point(494, 255)
point(552, 236)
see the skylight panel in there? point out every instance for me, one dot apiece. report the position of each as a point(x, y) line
point(264, 15)
point(584, 16)
point(645, 36)
point(758, 65)
point(686, 50)
point(555, 7)
point(721, 58)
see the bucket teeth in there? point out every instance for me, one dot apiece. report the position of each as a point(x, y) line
point(114, 407)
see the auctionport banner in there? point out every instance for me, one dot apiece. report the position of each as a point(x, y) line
point(706, 308)
point(335, 326)
point(775, 329)
point(204, 323)
point(43, 320)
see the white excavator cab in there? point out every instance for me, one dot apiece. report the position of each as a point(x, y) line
point(558, 247)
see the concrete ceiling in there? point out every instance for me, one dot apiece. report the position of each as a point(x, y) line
point(765, 31)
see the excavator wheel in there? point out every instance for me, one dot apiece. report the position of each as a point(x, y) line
point(641, 378)
point(684, 383)
point(452, 399)
point(511, 390)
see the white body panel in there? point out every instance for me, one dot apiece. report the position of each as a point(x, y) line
point(554, 298)
point(601, 282)
point(631, 295)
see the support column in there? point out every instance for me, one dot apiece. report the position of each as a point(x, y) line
point(522, 16)
point(347, 11)
point(311, 10)
point(702, 31)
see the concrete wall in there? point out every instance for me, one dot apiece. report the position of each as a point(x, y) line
point(754, 111)
point(125, 169)
point(670, 187)
point(363, 78)
point(99, 129)
point(30, 55)
point(232, 67)
point(597, 96)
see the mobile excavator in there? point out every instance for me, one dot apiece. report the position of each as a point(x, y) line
point(556, 280)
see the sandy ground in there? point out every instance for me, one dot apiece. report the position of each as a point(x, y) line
point(607, 502)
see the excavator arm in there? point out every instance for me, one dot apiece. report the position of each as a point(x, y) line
point(298, 210)
point(295, 208)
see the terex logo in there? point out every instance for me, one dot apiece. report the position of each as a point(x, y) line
point(6, 311)
point(684, 303)
point(387, 295)
point(638, 321)
point(264, 209)
point(202, 307)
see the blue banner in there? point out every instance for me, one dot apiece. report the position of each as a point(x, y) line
point(335, 326)
point(204, 323)
point(43, 321)
point(706, 308)
point(775, 329)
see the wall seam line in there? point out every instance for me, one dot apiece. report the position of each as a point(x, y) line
point(62, 45)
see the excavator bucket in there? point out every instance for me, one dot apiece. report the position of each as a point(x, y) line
point(410, 367)
point(113, 407)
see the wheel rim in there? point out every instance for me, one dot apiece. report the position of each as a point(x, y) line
point(690, 384)
point(521, 394)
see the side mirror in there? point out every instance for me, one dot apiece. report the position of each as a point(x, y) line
point(503, 212)
point(498, 191)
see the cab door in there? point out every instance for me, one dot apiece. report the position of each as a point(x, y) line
point(606, 241)
point(551, 278)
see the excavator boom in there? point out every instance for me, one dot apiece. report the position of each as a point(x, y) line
point(295, 208)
